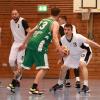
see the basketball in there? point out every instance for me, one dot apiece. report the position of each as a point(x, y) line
point(66, 51)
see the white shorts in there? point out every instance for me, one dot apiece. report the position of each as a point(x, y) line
point(73, 62)
point(16, 57)
point(85, 57)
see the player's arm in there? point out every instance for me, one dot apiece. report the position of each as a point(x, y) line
point(88, 41)
point(60, 58)
point(92, 43)
point(29, 34)
point(27, 38)
point(55, 31)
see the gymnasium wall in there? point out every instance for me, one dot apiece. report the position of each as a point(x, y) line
point(28, 10)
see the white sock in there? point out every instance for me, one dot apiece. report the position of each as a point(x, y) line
point(85, 82)
point(60, 82)
point(67, 80)
point(18, 77)
point(77, 79)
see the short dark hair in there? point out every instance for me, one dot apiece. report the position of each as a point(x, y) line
point(55, 11)
point(63, 17)
point(15, 10)
point(68, 25)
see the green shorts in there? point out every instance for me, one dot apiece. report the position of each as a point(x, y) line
point(39, 59)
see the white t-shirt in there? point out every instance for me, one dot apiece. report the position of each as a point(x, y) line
point(17, 30)
point(74, 46)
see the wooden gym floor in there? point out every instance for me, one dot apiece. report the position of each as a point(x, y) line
point(65, 94)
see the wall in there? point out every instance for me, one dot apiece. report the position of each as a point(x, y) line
point(28, 10)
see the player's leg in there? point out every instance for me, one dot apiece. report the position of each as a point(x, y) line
point(83, 65)
point(76, 72)
point(27, 64)
point(13, 57)
point(85, 76)
point(67, 79)
point(60, 82)
point(39, 76)
point(18, 73)
point(12, 63)
point(41, 62)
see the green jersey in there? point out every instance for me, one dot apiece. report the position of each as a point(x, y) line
point(42, 36)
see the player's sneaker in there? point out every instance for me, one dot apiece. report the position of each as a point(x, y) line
point(77, 85)
point(56, 87)
point(85, 89)
point(13, 85)
point(11, 88)
point(67, 84)
point(35, 91)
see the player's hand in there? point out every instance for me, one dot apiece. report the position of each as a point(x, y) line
point(66, 51)
point(63, 51)
point(59, 61)
point(21, 47)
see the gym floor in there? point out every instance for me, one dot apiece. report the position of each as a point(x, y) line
point(64, 94)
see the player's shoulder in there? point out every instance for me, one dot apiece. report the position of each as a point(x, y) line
point(78, 35)
point(79, 38)
point(21, 19)
point(45, 19)
point(11, 20)
point(55, 22)
point(63, 37)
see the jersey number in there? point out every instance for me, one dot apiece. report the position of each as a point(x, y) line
point(43, 25)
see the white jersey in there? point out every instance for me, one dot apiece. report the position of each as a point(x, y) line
point(74, 45)
point(73, 59)
point(17, 30)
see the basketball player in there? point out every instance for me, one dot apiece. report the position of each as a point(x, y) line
point(19, 28)
point(37, 47)
point(62, 21)
point(76, 45)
